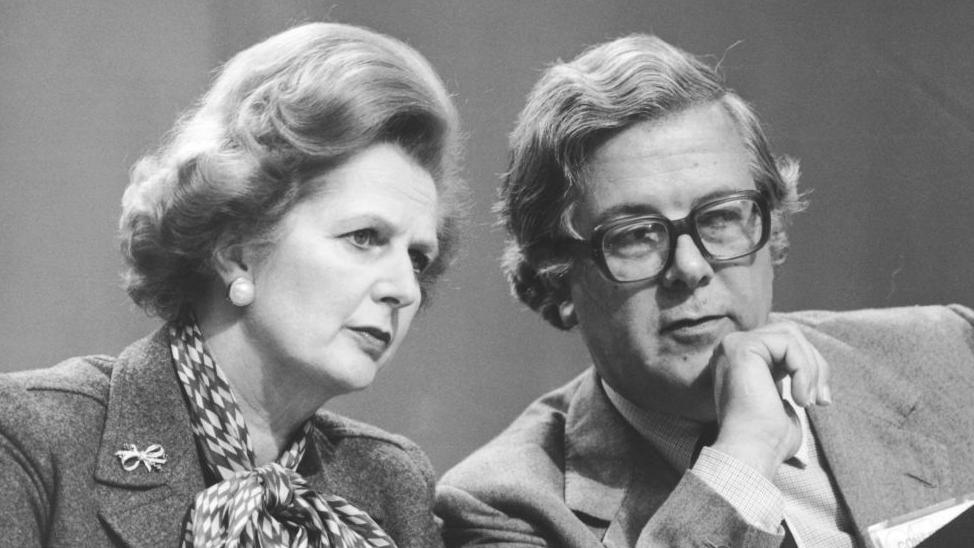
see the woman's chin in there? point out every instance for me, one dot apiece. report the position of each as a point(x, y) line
point(353, 378)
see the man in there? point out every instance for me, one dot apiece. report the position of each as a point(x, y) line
point(645, 208)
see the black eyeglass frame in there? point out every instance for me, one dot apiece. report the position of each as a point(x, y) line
point(675, 229)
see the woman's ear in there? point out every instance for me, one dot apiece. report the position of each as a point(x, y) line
point(234, 264)
point(566, 312)
point(232, 261)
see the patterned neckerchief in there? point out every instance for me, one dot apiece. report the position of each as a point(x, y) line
point(250, 506)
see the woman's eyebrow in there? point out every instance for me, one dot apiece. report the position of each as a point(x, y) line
point(357, 220)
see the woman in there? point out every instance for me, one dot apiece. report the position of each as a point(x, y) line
point(287, 232)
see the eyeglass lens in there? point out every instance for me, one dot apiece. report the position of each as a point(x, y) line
point(727, 229)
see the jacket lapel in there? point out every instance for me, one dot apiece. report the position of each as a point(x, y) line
point(146, 406)
point(882, 467)
point(604, 484)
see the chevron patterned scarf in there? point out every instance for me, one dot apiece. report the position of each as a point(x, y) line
point(254, 506)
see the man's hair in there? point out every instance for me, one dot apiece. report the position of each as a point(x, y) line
point(279, 114)
point(578, 105)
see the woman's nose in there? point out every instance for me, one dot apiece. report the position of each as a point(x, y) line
point(397, 284)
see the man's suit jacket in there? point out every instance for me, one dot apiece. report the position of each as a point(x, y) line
point(570, 472)
point(62, 485)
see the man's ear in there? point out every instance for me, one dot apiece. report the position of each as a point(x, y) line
point(566, 312)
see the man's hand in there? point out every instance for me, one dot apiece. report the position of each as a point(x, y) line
point(755, 425)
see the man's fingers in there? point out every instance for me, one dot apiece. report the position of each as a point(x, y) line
point(802, 386)
point(789, 354)
point(748, 366)
point(808, 365)
point(824, 379)
point(818, 389)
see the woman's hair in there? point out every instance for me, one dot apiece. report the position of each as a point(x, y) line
point(576, 107)
point(277, 115)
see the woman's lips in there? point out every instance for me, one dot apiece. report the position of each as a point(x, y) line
point(372, 340)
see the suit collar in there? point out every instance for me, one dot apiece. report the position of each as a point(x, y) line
point(602, 478)
point(598, 452)
point(145, 407)
point(882, 467)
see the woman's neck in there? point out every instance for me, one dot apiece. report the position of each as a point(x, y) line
point(270, 434)
point(273, 402)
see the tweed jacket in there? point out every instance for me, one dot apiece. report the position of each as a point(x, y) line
point(62, 485)
point(570, 471)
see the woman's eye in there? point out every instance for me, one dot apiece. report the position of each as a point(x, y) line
point(366, 237)
point(420, 260)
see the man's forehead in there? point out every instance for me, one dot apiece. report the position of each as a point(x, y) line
point(704, 127)
point(667, 165)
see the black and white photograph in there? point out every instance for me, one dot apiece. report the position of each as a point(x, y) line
point(513, 273)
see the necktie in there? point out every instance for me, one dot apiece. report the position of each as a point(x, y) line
point(789, 541)
point(707, 437)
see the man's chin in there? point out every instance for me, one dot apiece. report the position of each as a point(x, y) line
point(692, 358)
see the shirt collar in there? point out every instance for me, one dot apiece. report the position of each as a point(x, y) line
point(801, 457)
point(673, 436)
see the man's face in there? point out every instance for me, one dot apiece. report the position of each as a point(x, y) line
point(652, 340)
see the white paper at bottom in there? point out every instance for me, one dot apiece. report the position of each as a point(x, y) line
point(909, 530)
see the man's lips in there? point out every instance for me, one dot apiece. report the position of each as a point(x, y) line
point(689, 323)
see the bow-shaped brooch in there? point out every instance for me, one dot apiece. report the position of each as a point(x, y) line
point(131, 457)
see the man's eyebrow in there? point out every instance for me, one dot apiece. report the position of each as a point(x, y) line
point(641, 208)
point(625, 210)
point(717, 193)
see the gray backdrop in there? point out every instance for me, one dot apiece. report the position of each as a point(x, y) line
point(876, 98)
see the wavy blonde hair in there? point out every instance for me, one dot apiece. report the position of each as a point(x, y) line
point(277, 115)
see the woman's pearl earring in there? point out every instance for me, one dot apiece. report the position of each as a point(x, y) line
point(241, 291)
point(566, 311)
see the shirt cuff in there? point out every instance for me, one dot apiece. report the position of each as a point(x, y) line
point(760, 503)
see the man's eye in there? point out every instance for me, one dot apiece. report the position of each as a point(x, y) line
point(366, 237)
point(637, 240)
point(719, 217)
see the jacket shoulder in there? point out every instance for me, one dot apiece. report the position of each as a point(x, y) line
point(338, 427)
point(50, 424)
point(385, 473)
point(527, 455)
point(512, 490)
point(86, 377)
point(47, 407)
point(890, 327)
point(350, 441)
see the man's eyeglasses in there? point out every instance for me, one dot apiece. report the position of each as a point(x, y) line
point(640, 247)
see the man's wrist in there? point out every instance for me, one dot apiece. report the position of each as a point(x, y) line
point(755, 497)
point(759, 455)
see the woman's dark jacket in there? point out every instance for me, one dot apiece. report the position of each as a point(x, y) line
point(62, 485)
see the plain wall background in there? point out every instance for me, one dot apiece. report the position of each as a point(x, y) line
point(876, 98)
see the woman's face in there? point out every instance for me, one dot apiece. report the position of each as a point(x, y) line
point(336, 292)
